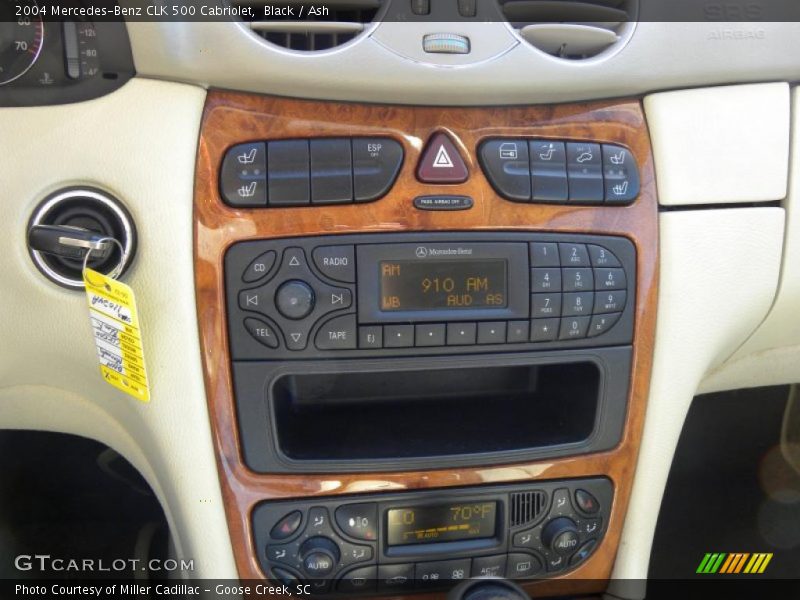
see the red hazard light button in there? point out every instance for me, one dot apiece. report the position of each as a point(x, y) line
point(441, 162)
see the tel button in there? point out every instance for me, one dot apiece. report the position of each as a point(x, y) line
point(336, 262)
point(259, 268)
point(358, 521)
point(261, 332)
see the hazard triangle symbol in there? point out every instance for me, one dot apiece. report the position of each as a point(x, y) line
point(441, 162)
point(442, 159)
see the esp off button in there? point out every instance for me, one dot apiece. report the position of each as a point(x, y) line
point(336, 262)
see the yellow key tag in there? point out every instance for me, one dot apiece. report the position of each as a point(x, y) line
point(117, 336)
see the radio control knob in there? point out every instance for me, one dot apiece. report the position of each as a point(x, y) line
point(295, 299)
point(561, 536)
point(320, 556)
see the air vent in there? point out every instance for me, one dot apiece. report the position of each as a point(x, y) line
point(345, 20)
point(526, 507)
point(572, 29)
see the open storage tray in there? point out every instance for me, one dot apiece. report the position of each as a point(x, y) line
point(359, 415)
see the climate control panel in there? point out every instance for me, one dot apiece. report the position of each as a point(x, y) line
point(426, 540)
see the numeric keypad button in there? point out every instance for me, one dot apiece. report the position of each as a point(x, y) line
point(610, 279)
point(577, 280)
point(546, 280)
point(602, 257)
point(573, 328)
point(546, 305)
point(609, 302)
point(573, 255)
point(577, 304)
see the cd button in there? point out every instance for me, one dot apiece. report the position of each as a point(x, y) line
point(259, 268)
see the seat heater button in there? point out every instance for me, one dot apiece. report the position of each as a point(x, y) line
point(243, 176)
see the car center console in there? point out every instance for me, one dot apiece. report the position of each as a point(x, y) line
point(427, 338)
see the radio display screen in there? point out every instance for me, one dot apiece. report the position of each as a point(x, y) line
point(441, 523)
point(443, 284)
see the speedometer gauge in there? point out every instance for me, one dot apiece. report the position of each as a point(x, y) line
point(21, 34)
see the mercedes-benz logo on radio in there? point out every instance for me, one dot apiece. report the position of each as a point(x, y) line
point(422, 252)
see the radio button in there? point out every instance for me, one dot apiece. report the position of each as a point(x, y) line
point(607, 302)
point(359, 580)
point(577, 304)
point(338, 333)
point(492, 333)
point(489, 566)
point(573, 255)
point(602, 257)
point(443, 572)
point(461, 334)
point(259, 268)
point(358, 521)
point(261, 332)
point(336, 262)
point(517, 332)
point(286, 526)
point(546, 280)
point(573, 328)
point(505, 163)
point(577, 280)
point(544, 254)
point(430, 334)
point(376, 163)
point(370, 337)
point(546, 305)
point(398, 336)
point(544, 330)
point(610, 279)
point(395, 577)
point(602, 323)
point(522, 565)
point(294, 299)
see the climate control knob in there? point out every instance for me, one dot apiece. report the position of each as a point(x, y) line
point(319, 555)
point(295, 299)
point(561, 536)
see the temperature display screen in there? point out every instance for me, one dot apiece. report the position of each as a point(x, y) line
point(441, 523)
point(443, 284)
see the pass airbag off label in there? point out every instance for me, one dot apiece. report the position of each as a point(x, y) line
point(115, 325)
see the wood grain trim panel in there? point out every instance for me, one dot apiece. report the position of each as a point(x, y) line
point(231, 118)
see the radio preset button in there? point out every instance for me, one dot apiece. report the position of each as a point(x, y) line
point(607, 302)
point(545, 279)
point(492, 333)
point(461, 334)
point(430, 334)
point(295, 299)
point(602, 323)
point(610, 279)
point(573, 255)
point(602, 257)
point(577, 280)
point(521, 566)
point(441, 572)
point(262, 332)
point(259, 268)
point(573, 328)
point(336, 262)
point(546, 305)
point(577, 304)
point(359, 521)
point(517, 332)
point(544, 330)
point(398, 336)
point(489, 566)
point(370, 337)
point(338, 333)
point(544, 254)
